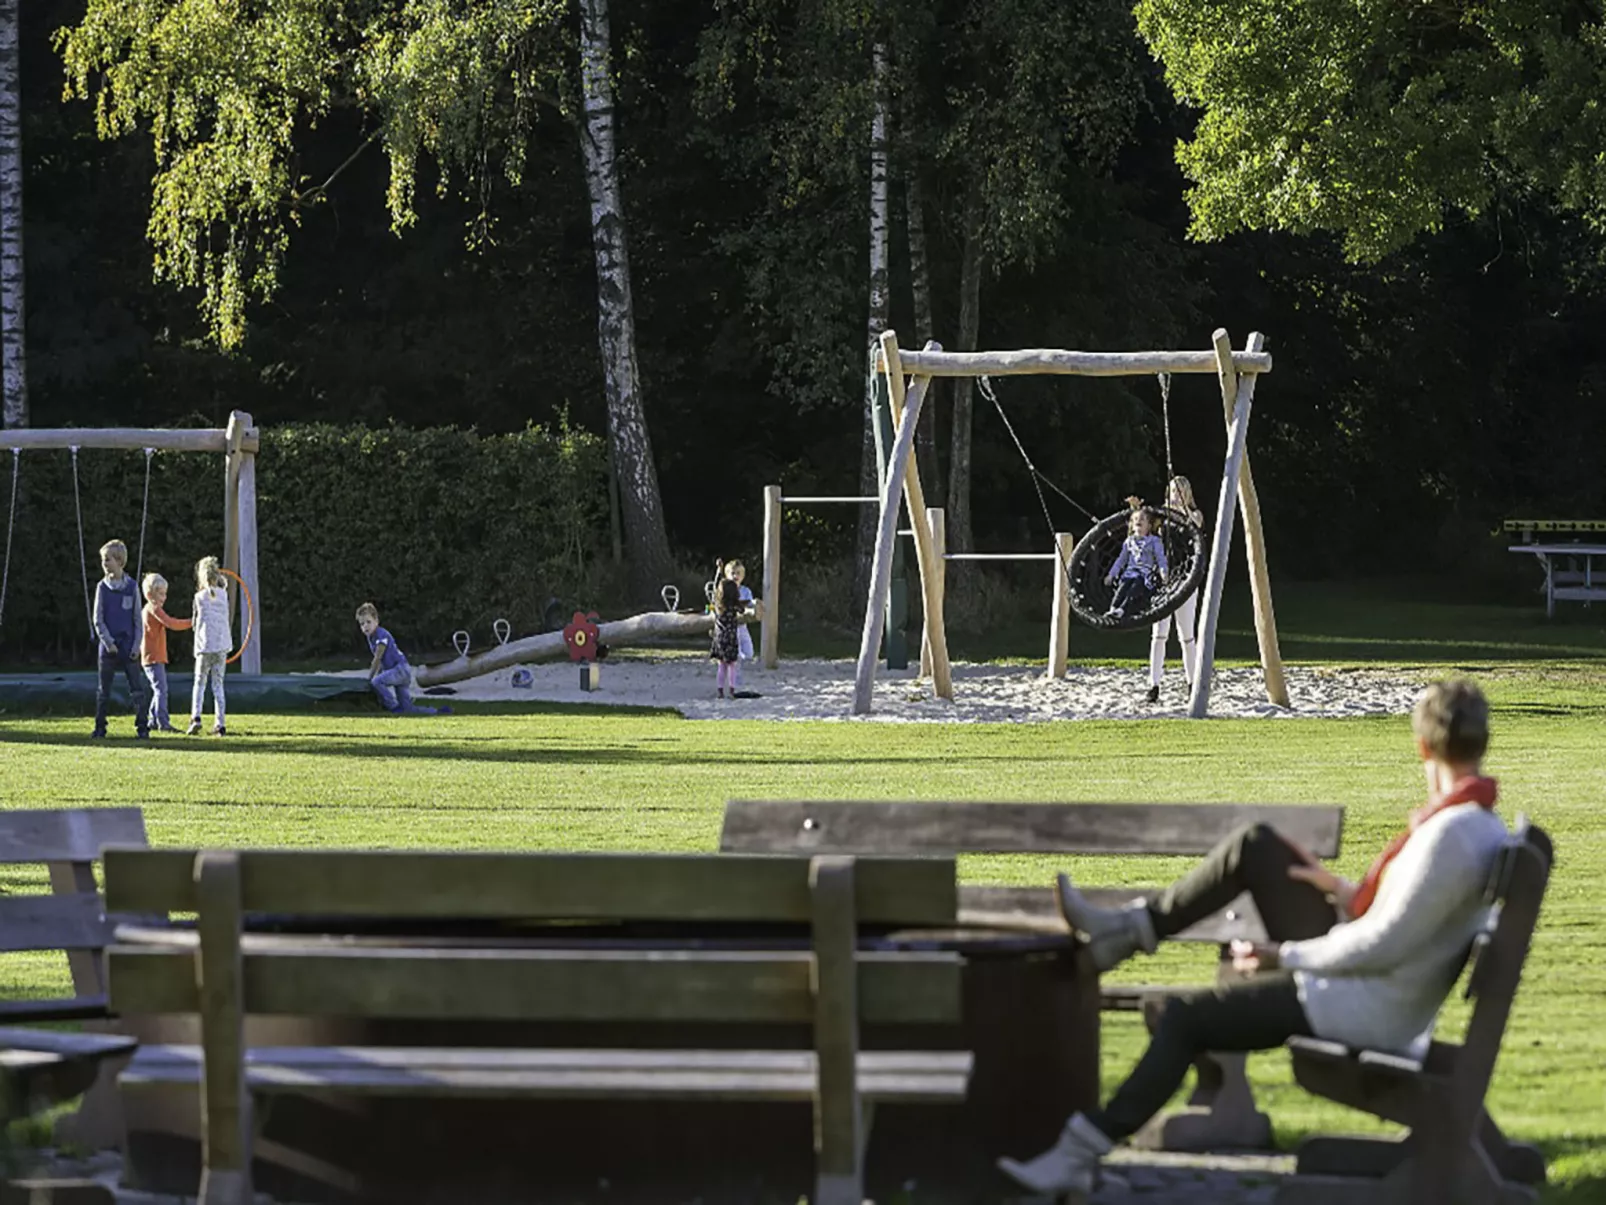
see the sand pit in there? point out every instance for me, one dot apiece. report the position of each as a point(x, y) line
point(823, 690)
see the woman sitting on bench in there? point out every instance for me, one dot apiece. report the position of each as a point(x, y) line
point(1365, 964)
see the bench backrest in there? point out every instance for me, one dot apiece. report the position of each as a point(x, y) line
point(308, 975)
point(913, 827)
point(949, 828)
point(1516, 889)
point(72, 918)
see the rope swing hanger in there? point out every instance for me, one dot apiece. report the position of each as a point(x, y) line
point(1099, 548)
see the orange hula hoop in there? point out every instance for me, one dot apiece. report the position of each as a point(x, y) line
point(250, 614)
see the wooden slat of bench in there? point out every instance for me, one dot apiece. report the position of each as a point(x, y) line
point(907, 827)
point(600, 985)
point(69, 1045)
point(53, 922)
point(67, 834)
point(1037, 908)
point(71, 1008)
point(683, 887)
point(911, 1076)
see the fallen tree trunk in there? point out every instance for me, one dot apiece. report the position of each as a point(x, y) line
point(550, 646)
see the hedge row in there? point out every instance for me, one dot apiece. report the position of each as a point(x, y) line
point(441, 528)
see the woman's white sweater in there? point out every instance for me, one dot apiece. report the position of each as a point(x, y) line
point(1378, 981)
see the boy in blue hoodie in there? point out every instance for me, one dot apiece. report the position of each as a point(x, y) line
point(117, 628)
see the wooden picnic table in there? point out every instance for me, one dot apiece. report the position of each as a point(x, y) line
point(1031, 1016)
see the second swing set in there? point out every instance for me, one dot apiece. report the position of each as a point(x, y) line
point(1084, 571)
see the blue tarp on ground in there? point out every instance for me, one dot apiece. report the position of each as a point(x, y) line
point(74, 691)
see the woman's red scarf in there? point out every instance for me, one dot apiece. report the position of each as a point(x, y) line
point(1472, 789)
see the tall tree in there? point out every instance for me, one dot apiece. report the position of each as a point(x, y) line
point(925, 325)
point(880, 308)
point(630, 446)
point(1378, 120)
point(13, 311)
point(230, 95)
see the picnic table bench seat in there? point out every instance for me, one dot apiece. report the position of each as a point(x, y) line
point(222, 972)
point(1221, 1111)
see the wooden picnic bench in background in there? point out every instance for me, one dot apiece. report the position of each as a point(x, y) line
point(1568, 554)
point(1454, 1150)
point(1221, 1111)
point(221, 971)
point(40, 1068)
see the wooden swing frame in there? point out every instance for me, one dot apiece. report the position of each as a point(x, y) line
point(1237, 371)
point(239, 443)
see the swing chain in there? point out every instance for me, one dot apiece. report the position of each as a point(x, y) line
point(83, 559)
point(1165, 413)
point(11, 524)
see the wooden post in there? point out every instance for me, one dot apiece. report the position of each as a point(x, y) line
point(1059, 628)
point(220, 982)
point(838, 1121)
point(1226, 507)
point(769, 629)
point(895, 639)
point(915, 497)
point(234, 435)
point(246, 523)
point(881, 567)
point(937, 520)
point(1271, 657)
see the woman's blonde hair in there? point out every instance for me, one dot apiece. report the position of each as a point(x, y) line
point(153, 581)
point(1182, 490)
point(207, 573)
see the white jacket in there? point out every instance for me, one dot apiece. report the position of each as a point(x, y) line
point(211, 614)
point(1378, 981)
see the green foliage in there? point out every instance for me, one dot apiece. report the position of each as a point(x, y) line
point(441, 528)
point(1376, 120)
point(230, 93)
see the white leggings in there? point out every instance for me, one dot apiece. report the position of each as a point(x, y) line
point(209, 672)
point(1160, 636)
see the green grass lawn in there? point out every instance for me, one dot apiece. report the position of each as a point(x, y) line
point(584, 778)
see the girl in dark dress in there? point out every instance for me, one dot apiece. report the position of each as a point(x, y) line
point(727, 604)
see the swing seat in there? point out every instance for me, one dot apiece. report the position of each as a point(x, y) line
point(1100, 548)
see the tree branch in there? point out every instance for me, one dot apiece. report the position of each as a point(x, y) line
point(316, 193)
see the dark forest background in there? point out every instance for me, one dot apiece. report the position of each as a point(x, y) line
point(1414, 403)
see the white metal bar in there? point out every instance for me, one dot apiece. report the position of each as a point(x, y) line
point(999, 556)
point(825, 498)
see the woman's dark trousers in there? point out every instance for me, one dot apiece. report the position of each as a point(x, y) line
point(1255, 1013)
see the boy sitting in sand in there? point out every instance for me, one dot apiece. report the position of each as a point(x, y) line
point(389, 674)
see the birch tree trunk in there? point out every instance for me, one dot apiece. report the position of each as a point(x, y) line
point(13, 313)
point(647, 545)
point(960, 536)
point(869, 473)
point(925, 329)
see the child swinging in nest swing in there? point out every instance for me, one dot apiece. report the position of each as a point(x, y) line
point(1139, 569)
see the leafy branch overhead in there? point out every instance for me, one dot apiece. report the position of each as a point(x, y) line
point(226, 92)
point(1377, 120)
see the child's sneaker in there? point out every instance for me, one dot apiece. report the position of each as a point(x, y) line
point(143, 736)
point(1154, 694)
point(98, 735)
point(220, 730)
point(194, 728)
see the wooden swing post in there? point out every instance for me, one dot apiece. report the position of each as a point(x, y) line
point(903, 481)
point(1271, 657)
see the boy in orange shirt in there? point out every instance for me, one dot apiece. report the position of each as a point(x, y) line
point(153, 648)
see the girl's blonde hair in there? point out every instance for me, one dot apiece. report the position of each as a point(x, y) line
point(735, 569)
point(1182, 490)
point(207, 573)
point(153, 581)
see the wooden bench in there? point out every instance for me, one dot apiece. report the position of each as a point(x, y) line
point(1221, 1111)
point(1454, 1151)
point(42, 1067)
point(222, 973)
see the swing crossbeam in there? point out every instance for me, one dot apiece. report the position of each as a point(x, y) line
point(127, 439)
point(1052, 361)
